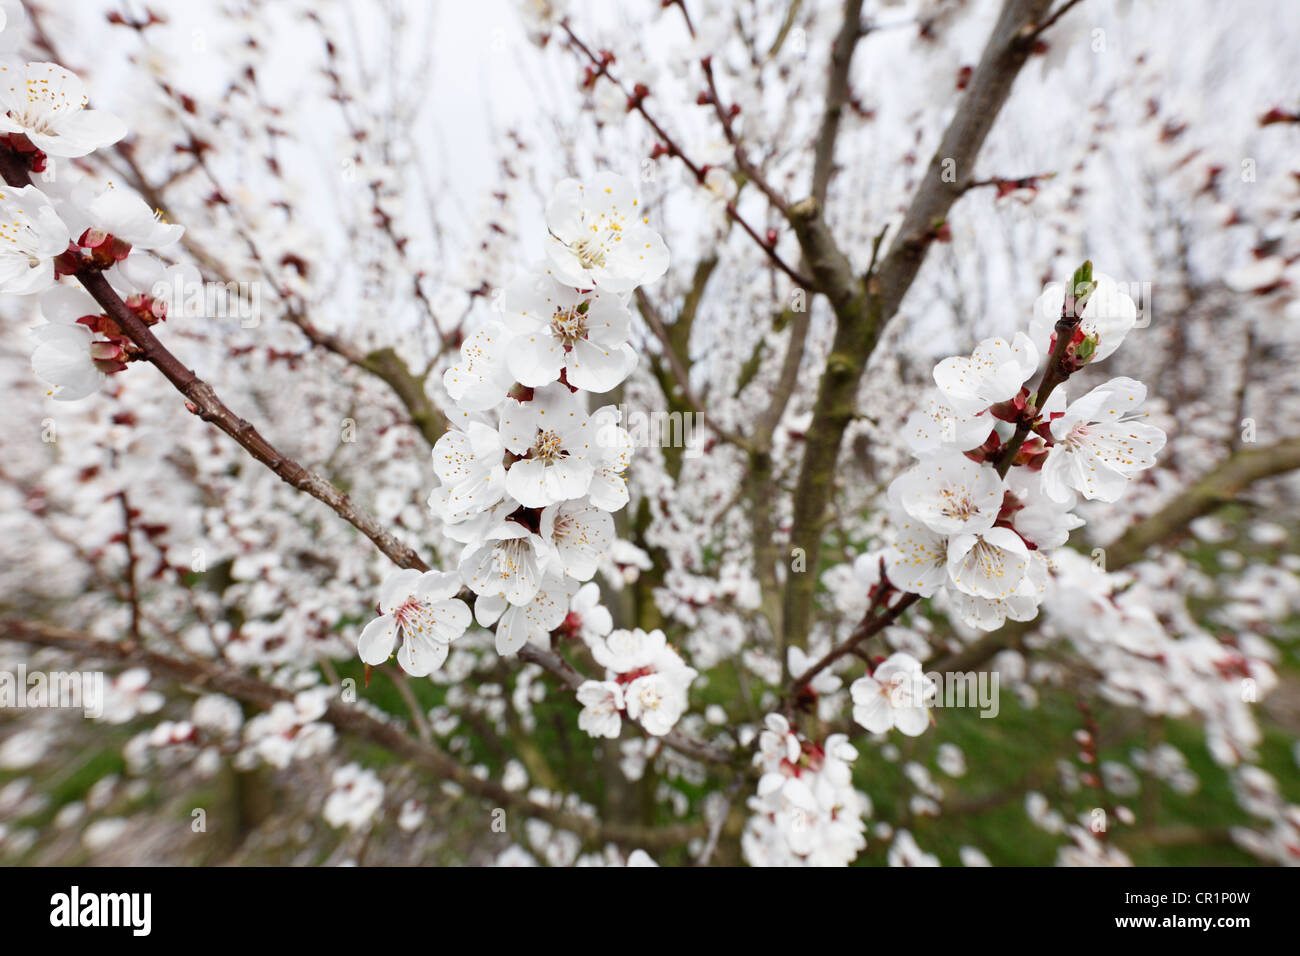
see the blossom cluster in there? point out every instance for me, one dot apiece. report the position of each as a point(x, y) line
point(529, 475)
point(645, 678)
point(978, 517)
point(806, 811)
point(70, 224)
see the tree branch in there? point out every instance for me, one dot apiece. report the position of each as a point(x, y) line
point(1220, 486)
point(204, 402)
point(863, 310)
point(837, 95)
point(348, 720)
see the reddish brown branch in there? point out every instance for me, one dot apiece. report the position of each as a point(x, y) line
point(637, 102)
point(870, 625)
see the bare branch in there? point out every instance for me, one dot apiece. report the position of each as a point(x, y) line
point(837, 95)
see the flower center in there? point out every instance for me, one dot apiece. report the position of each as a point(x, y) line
point(1078, 436)
point(548, 447)
point(989, 559)
point(410, 615)
point(650, 696)
point(34, 120)
point(508, 557)
point(590, 252)
point(958, 504)
point(569, 325)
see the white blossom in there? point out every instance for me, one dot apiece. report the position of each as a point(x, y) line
point(950, 494)
point(518, 624)
point(561, 330)
point(507, 561)
point(580, 533)
point(46, 103)
point(601, 702)
point(897, 694)
point(1097, 450)
point(599, 236)
point(993, 373)
point(31, 236)
point(469, 466)
point(552, 435)
point(422, 610)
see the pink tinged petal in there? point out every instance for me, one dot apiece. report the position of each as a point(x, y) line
point(375, 645)
point(397, 589)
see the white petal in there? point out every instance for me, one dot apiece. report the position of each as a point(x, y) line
point(375, 645)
